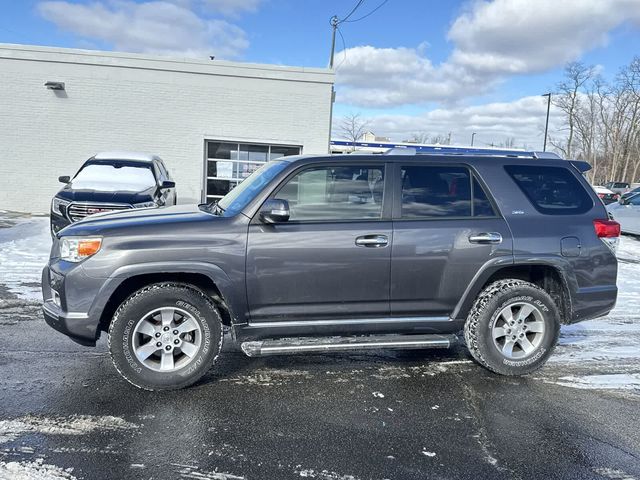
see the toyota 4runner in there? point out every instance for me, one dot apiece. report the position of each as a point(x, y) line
point(320, 254)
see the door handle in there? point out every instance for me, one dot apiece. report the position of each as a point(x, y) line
point(372, 241)
point(486, 237)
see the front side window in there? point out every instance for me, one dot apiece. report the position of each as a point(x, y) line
point(551, 190)
point(335, 193)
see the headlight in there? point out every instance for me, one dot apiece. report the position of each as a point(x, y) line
point(59, 206)
point(144, 205)
point(76, 249)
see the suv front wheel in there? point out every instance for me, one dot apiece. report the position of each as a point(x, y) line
point(513, 327)
point(165, 336)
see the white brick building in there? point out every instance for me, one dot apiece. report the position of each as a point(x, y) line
point(184, 110)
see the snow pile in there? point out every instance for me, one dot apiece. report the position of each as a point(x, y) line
point(24, 250)
point(73, 425)
point(33, 471)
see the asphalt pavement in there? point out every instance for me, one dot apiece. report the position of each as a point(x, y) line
point(66, 413)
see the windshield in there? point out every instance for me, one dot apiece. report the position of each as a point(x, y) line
point(238, 198)
point(114, 176)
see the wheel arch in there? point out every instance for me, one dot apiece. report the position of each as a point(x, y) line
point(550, 274)
point(209, 279)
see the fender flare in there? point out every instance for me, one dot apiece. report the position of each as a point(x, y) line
point(561, 265)
point(218, 276)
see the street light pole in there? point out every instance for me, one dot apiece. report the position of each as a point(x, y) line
point(546, 125)
point(472, 135)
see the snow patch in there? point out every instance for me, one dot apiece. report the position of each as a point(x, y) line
point(614, 474)
point(24, 250)
point(192, 471)
point(324, 475)
point(73, 425)
point(614, 381)
point(37, 470)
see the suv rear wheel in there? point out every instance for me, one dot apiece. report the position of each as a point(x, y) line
point(513, 327)
point(165, 336)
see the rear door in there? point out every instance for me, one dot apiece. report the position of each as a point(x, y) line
point(445, 227)
point(331, 259)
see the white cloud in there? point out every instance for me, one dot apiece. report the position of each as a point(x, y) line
point(524, 36)
point(387, 77)
point(522, 120)
point(492, 40)
point(233, 7)
point(157, 27)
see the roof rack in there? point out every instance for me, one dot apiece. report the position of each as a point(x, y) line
point(472, 151)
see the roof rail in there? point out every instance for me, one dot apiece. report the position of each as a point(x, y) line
point(400, 151)
point(549, 155)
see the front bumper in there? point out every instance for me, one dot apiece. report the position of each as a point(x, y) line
point(76, 326)
point(68, 315)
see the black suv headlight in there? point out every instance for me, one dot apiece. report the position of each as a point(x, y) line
point(59, 206)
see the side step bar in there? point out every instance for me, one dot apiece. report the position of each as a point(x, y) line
point(282, 346)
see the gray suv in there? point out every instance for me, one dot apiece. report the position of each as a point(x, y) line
point(320, 254)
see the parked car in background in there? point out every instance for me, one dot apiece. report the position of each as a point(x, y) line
point(617, 187)
point(627, 214)
point(330, 253)
point(606, 195)
point(112, 181)
point(630, 193)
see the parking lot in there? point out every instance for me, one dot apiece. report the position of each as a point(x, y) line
point(66, 413)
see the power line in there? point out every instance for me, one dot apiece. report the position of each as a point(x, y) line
point(353, 10)
point(368, 14)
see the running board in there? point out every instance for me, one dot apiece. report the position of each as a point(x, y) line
point(282, 346)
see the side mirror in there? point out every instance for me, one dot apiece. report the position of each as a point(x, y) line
point(275, 211)
point(64, 179)
point(168, 184)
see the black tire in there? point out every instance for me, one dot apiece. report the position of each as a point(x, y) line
point(484, 317)
point(150, 298)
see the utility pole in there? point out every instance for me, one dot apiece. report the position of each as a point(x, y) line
point(472, 135)
point(546, 126)
point(334, 27)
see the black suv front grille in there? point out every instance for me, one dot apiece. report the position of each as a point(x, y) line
point(78, 211)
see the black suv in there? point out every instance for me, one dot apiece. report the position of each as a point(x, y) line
point(112, 181)
point(318, 254)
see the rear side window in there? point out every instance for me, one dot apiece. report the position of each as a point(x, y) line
point(551, 190)
point(438, 191)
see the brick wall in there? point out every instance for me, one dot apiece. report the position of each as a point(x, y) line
point(136, 103)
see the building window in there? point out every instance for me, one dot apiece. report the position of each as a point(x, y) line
point(228, 164)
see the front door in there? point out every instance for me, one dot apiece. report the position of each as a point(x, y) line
point(445, 228)
point(331, 260)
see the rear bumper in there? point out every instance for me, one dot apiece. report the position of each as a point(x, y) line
point(593, 302)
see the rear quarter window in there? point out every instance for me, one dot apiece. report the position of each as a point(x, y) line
point(551, 190)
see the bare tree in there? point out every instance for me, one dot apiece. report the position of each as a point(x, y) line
point(352, 127)
point(567, 99)
point(418, 137)
point(602, 121)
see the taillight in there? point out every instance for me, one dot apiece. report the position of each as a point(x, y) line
point(606, 228)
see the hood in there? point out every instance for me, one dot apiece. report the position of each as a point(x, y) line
point(98, 196)
point(166, 218)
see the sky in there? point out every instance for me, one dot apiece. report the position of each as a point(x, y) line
point(426, 67)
